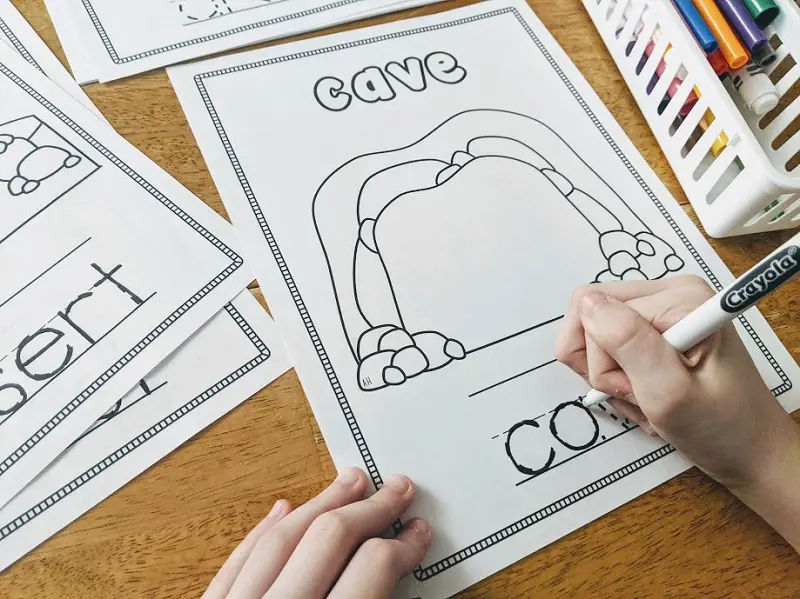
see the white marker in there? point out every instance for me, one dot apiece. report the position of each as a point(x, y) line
point(757, 283)
point(756, 89)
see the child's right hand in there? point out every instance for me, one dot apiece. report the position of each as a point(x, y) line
point(711, 403)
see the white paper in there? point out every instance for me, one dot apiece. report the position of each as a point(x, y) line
point(368, 223)
point(106, 40)
point(234, 355)
point(77, 201)
point(17, 33)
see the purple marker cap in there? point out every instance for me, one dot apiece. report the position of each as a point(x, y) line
point(750, 33)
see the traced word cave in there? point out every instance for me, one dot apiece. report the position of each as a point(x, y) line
point(375, 84)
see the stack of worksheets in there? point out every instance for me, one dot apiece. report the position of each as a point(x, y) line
point(107, 39)
point(125, 325)
point(417, 199)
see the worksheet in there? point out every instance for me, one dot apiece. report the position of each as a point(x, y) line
point(233, 356)
point(108, 265)
point(106, 40)
point(419, 200)
point(16, 32)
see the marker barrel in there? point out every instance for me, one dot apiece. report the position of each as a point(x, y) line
point(718, 62)
point(749, 32)
point(733, 50)
point(746, 291)
point(763, 11)
point(756, 89)
point(698, 26)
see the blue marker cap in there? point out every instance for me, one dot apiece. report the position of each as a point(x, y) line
point(698, 26)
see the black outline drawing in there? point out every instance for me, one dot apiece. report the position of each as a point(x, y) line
point(263, 354)
point(33, 155)
point(428, 571)
point(554, 458)
point(235, 263)
point(387, 346)
point(25, 161)
point(373, 84)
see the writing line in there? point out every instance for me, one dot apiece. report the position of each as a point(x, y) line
point(102, 421)
point(88, 349)
point(516, 376)
point(577, 455)
point(522, 332)
point(51, 267)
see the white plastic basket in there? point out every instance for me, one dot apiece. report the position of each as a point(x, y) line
point(753, 185)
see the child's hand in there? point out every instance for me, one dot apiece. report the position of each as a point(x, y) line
point(711, 403)
point(328, 547)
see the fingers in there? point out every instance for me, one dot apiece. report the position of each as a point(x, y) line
point(665, 308)
point(223, 581)
point(332, 538)
point(604, 374)
point(661, 302)
point(570, 348)
point(272, 550)
point(662, 310)
point(653, 366)
point(379, 564)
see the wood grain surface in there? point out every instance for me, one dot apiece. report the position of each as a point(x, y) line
point(165, 534)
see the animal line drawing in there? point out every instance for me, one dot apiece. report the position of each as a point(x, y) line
point(25, 161)
point(446, 238)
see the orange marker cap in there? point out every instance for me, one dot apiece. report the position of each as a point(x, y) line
point(735, 53)
point(718, 62)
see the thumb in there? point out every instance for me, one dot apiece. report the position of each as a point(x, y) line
point(651, 364)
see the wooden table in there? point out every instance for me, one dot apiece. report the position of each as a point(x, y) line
point(166, 534)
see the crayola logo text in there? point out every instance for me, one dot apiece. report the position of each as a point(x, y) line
point(761, 281)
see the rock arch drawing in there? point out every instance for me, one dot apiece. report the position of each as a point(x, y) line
point(445, 241)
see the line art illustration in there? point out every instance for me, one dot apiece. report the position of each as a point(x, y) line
point(443, 245)
point(29, 156)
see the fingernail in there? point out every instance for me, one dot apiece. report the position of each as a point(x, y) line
point(348, 477)
point(591, 301)
point(399, 483)
point(422, 528)
point(277, 509)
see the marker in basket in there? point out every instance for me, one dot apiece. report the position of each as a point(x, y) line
point(763, 11)
point(698, 26)
point(675, 84)
point(750, 33)
point(753, 286)
point(722, 140)
point(756, 89)
point(735, 53)
point(718, 62)
point(708, 118)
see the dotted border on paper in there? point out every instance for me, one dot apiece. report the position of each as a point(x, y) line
point(440, 566)
point(79, 481)
point(236, 263)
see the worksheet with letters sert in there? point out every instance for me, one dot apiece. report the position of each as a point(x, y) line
point(419, 200)
point(108, 265)
point(234, 355)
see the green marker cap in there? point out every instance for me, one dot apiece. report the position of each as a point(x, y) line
point(763, 11)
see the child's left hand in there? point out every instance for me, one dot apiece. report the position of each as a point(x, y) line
point(328, 547)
